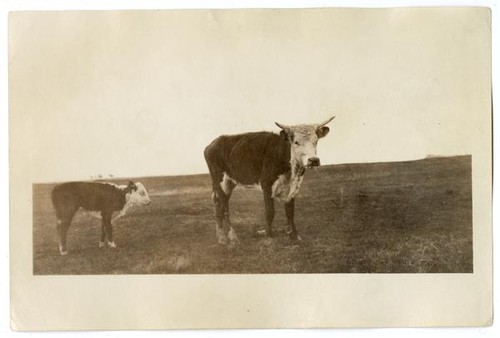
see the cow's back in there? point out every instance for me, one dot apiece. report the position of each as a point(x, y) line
point(244, 157)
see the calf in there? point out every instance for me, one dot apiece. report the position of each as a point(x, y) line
point(276, 162)
point(105, 198)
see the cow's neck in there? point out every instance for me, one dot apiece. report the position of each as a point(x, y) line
point(287, 184)
point(297, 170)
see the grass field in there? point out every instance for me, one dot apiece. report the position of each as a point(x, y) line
point(400, 217)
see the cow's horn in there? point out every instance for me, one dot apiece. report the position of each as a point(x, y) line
point(322, 124)
point(282, 126)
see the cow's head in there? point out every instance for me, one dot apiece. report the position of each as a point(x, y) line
point(138, 194)
point(304, 140)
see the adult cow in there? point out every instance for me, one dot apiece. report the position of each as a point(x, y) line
point(276, 162)
point(104, 198)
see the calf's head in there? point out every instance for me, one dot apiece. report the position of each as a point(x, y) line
point(137, 194)
point(304, 140)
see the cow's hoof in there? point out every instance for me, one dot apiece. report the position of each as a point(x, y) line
point(63, 253)
point(102, 244)
point(112, 244)
point(295, 238)
point(233, 239)
point(232, 245)
point(222, 240)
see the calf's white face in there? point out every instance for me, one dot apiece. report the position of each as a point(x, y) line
point(138, 196)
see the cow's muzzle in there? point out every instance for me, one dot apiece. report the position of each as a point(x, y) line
point(313, 162)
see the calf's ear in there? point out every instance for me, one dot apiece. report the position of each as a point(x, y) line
point(322, 131)
point(132, 185)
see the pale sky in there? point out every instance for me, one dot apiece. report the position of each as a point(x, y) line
point(142, 93)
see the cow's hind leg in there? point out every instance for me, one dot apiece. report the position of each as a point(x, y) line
point(222, 189)
point(219, 218)
point(224, 231)
point(228, 187)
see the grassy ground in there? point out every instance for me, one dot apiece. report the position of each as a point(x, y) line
point(404, 217)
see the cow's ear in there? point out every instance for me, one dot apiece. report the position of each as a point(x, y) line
point(132, 185)
point(287, 135)
point(322, 131)
point(284, 134)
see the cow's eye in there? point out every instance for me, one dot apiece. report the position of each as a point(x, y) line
point(296, 143)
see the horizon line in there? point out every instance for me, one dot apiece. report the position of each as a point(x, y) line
point(125, 178)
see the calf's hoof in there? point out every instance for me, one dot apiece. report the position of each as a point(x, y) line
point(263, 232)
point(102, 244)
point(112, 244)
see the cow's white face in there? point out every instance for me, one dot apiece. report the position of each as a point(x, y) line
point(304, 141)
point(138, 196)
point(304, 145)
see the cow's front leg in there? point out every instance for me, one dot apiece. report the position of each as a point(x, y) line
point(289, 210)
point(231, 234)
point(269, 207)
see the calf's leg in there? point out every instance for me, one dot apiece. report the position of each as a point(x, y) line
point(64, 218)
point(108, 228)
point(102, 242)
point(62, 231)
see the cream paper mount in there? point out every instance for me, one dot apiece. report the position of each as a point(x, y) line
point(395, 225)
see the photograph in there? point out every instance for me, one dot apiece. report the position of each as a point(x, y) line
point(243, 158)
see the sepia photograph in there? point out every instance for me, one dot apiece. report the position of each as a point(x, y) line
point(251, 144)
point(236, 160)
